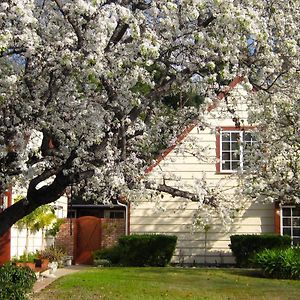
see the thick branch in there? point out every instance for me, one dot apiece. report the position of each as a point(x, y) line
point(174, 192)
point(72, 23)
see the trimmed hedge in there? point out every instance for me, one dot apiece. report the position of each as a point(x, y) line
point(245, 246)
point(279, 263)
point(147, 249)
point(15, 282)
point(140, 250)
point(112, 254)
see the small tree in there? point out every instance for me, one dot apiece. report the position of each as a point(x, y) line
point(39, 219)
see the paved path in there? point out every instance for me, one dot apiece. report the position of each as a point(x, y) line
point(41, 283)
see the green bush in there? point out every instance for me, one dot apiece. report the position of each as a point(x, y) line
point(15, 282)
point(147, 249)
point(113, 255)
point(244, 247)
point(140, 250)
point(279, 263)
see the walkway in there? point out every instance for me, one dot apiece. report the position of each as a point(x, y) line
point(41, 283)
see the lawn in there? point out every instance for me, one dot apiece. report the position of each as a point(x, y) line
point(168, 283)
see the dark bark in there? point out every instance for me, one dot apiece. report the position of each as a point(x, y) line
point(35, 198)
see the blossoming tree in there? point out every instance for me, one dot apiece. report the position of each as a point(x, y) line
point(84, 83)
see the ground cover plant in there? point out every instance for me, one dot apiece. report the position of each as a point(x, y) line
point(169, 283)
point(279, 263)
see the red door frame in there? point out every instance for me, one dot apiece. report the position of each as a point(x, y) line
point(5, 239)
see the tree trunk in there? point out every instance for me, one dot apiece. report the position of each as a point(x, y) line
point(35, 198)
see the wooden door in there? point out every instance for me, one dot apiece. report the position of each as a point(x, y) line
point(87, 239)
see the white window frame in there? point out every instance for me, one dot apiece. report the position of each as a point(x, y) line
point(292, 225)
point(240, 149)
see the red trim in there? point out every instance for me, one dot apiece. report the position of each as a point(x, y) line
point(188, 129)
point(128, 218)
point(277, 218)
point(5, 239)
point(179, 139)
point(221, 95)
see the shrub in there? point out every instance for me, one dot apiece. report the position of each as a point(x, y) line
point(15, 282)
point(147, 249)
point(140, 250)
point(102, 263)
point(113, 255)
point(244, 247)
point(279, 263)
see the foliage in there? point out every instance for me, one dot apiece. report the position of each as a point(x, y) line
point(40, 218)
point(275, 161)
point(102, 262)
point(54, 229)
point(245, 246)
point(15, 282)
point(27, 257)
point(54, 254)
point(83, 84)
point(140, 250)
point(279, 263)
point(169, 283)
point(147, 249)
point(112, 254)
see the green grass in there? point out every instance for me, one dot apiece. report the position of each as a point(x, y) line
point(169, 283)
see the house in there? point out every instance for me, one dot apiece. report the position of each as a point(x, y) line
point(91, 226)
point(87, 227)
point(208, 243)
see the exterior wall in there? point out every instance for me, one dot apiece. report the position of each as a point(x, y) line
point(176, 214)
point(65, 236)
point(35, 242)
point(112, 229)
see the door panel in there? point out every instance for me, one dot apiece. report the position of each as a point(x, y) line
point(88, 239)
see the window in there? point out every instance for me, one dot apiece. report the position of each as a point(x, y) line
point(114, 214)
point(290, 222)
point(233, 148)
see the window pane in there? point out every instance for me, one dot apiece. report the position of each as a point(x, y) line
point(225, 136)
point(225, 146)
point(235, 146)
point(236, 156)
point(235, 165)
point(226, 155)
point(287, 231)
point(296, 211)
point(235, 136)
point(296, 232)
point(296, 221)
point(286, 222)
point(226, 165)
point(286, 211)
point(249, 136)
point(296, 241)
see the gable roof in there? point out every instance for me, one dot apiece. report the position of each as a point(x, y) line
point(190, 127)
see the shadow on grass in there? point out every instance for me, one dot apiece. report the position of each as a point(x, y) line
point(257, 273)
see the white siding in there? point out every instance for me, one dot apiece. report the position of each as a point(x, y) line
point(145, 217)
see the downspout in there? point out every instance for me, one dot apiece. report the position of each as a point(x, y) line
point(126, 215)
